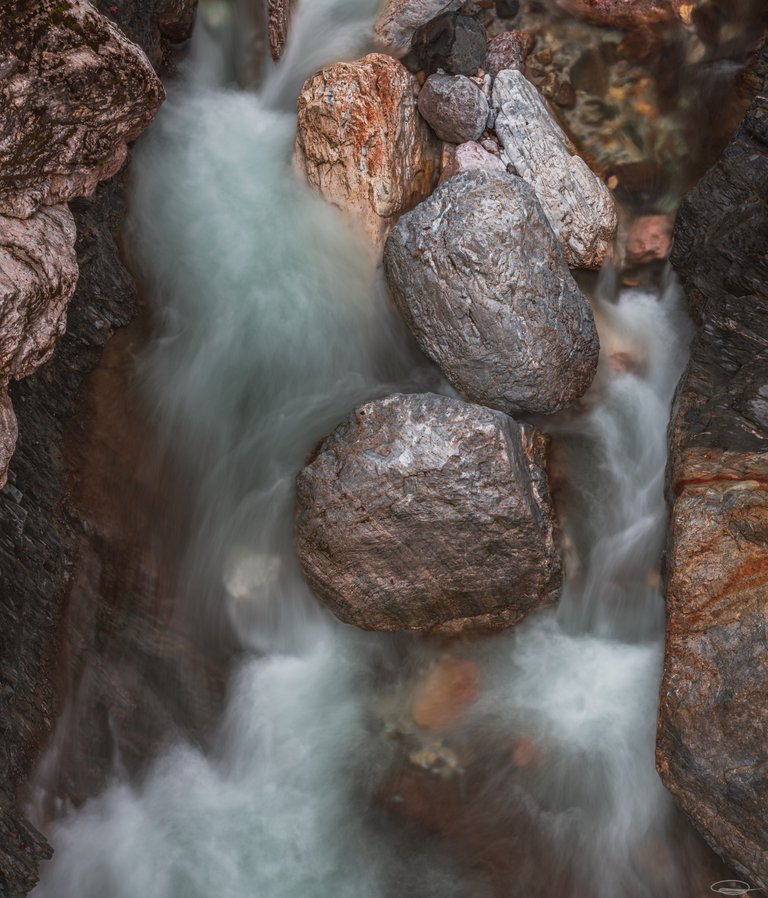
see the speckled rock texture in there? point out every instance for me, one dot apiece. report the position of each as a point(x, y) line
point(399, 19)
point(73, 92)
point(579, 206)
point(454, 107)
point(426, 513)
point(713, 720)
point(479, 276)
point(362, 143)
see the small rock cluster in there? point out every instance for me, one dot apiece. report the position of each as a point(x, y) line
point(422, 512)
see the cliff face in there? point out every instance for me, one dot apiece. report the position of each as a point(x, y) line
point(714, 696)
point(74, 91)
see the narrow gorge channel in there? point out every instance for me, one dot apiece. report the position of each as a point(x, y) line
point(224, 734)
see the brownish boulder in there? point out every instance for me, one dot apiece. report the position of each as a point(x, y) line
point(38, 274)
point(713, 721)
point(74, 92)
point(426, 513)
point(479, 277)
point(621, 13)
point(280, 12)
point(362, 143)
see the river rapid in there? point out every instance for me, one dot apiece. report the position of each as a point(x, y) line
point(271, 325)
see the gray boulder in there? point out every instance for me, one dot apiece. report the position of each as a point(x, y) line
point(480, 278)
point(422, 512)
point(454, 107)
point(578, 205)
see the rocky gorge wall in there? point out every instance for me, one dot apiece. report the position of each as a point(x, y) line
point(712, 724)
point(75, 91)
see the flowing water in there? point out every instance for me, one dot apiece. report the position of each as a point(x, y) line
point(271, 326)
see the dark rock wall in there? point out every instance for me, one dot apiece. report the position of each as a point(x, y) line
point(713, 723)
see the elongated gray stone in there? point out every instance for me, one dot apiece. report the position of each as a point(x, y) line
point(577, 203)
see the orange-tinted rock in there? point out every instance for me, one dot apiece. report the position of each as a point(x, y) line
point(649, 239)
point(362, 144)
point(445, 694)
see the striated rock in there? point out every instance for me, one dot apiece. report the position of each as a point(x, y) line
point(454, 107)
point(649, 239)
point(75, 92)
point(468, 157)
point(279, 20)
point(361, 142)
point(713, 722)
point(38, 273)
point(422, 512)
point(452, 42)
point(479, 277)
point(399, 19)
point(507, 9)
point(622, 13)
point(508, 51)
point(579, 206)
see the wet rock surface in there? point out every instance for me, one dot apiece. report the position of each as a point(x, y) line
point(713, 723)
point(400, 19)
point(455, 43)
point(579, 206)
point(37, 538)
point(479, 277)
point(425, 513)
point(468, 157)
point(621, 13)
point(508, 51)
point(362, 144)
point(279, 20)
point(22, 848)
point(454, 107)
point(74, 93)
point(38, 273)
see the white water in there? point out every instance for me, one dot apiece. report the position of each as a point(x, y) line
point(271, 329)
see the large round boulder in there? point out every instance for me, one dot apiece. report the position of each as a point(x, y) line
point(422, 512)
point(480, 278)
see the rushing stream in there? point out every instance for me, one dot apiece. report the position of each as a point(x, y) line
point(271, 326)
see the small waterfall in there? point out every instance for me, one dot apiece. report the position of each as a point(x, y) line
point(270, 327)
